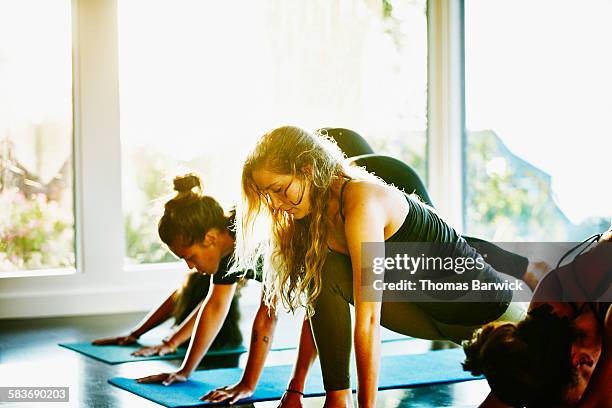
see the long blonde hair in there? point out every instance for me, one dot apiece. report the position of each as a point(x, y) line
point(295, 250)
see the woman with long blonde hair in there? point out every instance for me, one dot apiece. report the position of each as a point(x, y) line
point(299, 190)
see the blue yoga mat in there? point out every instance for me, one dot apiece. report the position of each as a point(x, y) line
point(122, 354)
point(402, 371)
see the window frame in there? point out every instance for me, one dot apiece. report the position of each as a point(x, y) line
point(446, 108)
point(101, 281)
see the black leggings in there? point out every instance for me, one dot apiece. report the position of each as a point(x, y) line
point(331, 322)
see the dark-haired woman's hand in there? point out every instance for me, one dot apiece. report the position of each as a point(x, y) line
point(164, 378)
point(160, 349)
point(290, 400)
point(229, 393)
point(119, 341)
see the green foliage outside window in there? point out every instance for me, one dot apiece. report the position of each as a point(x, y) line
point(508, 199)
point(35, 232)
point(142, 242)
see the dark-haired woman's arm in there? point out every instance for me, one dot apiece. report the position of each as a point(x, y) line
point(151, 320)
point(210, 318)
point(170, 343)
point(261, 339)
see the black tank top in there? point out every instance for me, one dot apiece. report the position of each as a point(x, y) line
point(423, 224)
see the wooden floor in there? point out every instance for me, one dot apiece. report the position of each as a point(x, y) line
point(30, 356)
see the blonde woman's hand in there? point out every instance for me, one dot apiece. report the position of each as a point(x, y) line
point(291, 400)
point(164, 378)
point(119, 340)
point(229, 393)
point(160, 349)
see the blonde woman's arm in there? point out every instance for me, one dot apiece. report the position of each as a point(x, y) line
point(262, 334)
point(307, 353)
point(365, 219)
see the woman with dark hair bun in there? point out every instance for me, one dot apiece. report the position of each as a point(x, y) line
point(187, 216)
point(196, 229)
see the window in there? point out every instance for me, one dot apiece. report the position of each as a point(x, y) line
point(36, 171)
point(537, 112)
point(201, 81)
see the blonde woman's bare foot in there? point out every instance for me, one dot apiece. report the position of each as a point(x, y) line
point(607, 236)
point(535, 272)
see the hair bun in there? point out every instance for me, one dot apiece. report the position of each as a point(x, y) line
point(184, 184)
